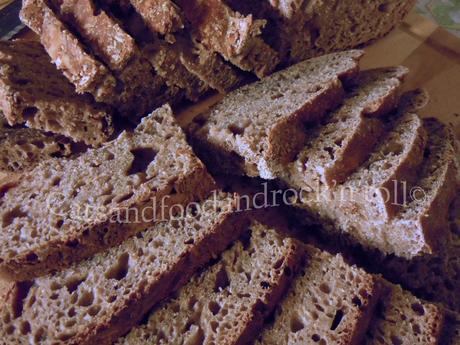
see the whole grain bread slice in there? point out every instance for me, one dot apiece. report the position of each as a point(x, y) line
point(330, 302)
point(162, 16)
point(227, 303)
point(34, 92)
point(66, 210)
point(401, 318)
point(262, 124)
point(100, 299)
point(67, 52)
point(335, 149)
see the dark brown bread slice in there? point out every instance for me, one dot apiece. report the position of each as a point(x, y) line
point(262, 123)
point(100, 299)
point(162, 16)
point(330, 302)
point(22, 149)
point(339, 147)
point(34, 92)
point(402, 318)
point(66, 210)
point(228, 302)
point(67, 53)
point(236, 37)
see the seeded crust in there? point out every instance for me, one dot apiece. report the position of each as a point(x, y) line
point(330, 302)
point(402, 318)
point(66, 210)
point(162, 16)
point(235, 37)
point(33, 92)
point(284, 101)
point(67, 53)
point(100, 299)
point(343, 143)
point(227, 303)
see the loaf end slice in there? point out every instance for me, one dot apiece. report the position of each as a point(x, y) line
point(65, 210)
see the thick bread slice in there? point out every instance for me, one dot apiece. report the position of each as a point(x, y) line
point(67, 53)
point(22, 149)
point(162, 16)
point(401, 318)
point(34, 92)
point(66, 210)
point(262, 123)
point(236, 37)
point(227, 303)
point(100, 299)
point(339, 147)
point(331, 302)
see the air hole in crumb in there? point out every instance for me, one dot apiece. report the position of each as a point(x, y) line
point(384, 8)
point(296, 324)
point(236, 130)
point(222, 280)
point(120, 269)
point(9, 217)
point(265, 285)
point(325, 288)
point(86, 299)
point(73, 282)
point(337, 319)
point(25, 327)
point(143, 156)
point(315, 338)
point(56, 181)
point(418, 308)
point(396, 340)
point(38, 143)
point(356, 301)
point(94, 310)
point(31, 257)
point(20, 294)
point(214, 307)
point(29, 112)
point(278, 264)
point(276, 96)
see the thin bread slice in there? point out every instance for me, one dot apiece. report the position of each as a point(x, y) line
point(236, 37)
point(162, 16)
point(339, 147)
point(66, 210)
point(100, 299)
point(262, 123)
point(330, 302)
point(67, 53)
point(21, 149)
point(34, 92)
point(228, 302)
point(401, 318)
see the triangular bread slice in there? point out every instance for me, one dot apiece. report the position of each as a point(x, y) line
point(67, 209)
point(335, 149)
point(260, 126)
point(100, 299)
point(227, 303)
point(330, 302)
point(33, 92)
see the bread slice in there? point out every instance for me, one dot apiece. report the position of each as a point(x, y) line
point(67, 53)
point(402, 318)
point(34, 92)
point(227, 303)
point(162, 16)
point(339, 147)
point(330, 302)
point(235, 37)
point(66, 210)
point(262, 123)
point(21, 149)
point(100, 299)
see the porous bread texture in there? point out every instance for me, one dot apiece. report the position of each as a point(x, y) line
point(162, 16)
point(419, 227)
point(227, 303)
point(401, 318)
point(21, 149)
point(68, 54)
point(335, 149)
point(330, 302)
point(234, 36)
point(100, 299)
point(34, 92)
point(66, 210)
point(263, 123)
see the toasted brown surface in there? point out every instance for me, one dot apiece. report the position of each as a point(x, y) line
point(99, 299)
point(226, 304)
point(162, 16)
point(65, 210)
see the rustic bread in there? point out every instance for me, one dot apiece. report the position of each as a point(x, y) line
point(344, 142)
point(331, 302)
point(66, 210)
point(237, 126)
point(162, 16)
point(33, 92)
point(235, 37)
point(228, 302)
point(21, 149)
point(67, 52)
point(100, 299)
point(402, 318)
